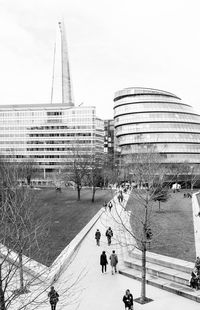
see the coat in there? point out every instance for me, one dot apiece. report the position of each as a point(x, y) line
point(109, 233)
point(128, 300)
point(103, 260)
point(113, 259)
point(97, 235)
point(53, 297)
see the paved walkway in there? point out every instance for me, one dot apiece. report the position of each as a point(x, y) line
point(105, 291)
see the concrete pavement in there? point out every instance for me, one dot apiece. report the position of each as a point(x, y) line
point(105, 291)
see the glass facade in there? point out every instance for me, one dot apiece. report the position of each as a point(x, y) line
point(48, 133)
point(151, 116)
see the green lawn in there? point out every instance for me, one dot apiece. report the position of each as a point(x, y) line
point(67, 217)
point(173, 232)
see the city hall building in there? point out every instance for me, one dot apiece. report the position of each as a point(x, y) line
point(159, 118)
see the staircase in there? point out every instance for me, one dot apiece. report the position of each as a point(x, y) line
point(164, 272)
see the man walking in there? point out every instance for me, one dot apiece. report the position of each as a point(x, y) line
point(110, 205)
point(113, 261)
point(103, 261)
point(97, 237)
point(109, 235)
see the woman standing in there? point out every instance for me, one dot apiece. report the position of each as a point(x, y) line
point(128, 300)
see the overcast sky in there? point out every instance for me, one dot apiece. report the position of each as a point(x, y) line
point(113, 44)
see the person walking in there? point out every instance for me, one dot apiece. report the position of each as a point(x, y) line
point(53, 298)
point(197, 265)
point(109, 235)
point(113, 261)
point(97, 237)
point(103, 261)
point(105, 205)
point(110, 205)
point(128, 300)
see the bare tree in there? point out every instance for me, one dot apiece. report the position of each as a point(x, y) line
point(148, 177)
point(23, 282)
point(94, 172)
point(77, 168)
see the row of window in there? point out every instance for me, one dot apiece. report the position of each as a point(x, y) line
point(153, 117)
point(129, 128)
point(162, 137)
point(145, 107)
point(148, 98)
point(166, 148)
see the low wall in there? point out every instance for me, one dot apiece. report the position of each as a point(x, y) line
point(62, 261)
point(51, 274)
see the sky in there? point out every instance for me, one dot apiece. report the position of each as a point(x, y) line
point(112, 45)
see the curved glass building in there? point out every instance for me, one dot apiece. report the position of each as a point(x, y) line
point(151, 116)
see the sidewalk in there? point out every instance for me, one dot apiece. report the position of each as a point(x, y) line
point(105, 291)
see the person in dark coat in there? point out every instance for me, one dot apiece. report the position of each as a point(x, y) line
point(197, 264)
point(194, 281)
point(103, 261)
point(109, 234)
point(128, 300)
point(97, 237)
point(53, 298)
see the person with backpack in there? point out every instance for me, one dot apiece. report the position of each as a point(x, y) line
point(53, 298)
point(97, 237)
point(128, 300)
point(109, 235)
point(113, 261)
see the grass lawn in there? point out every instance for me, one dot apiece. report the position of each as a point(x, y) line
point(67, 217)
point(172, 227)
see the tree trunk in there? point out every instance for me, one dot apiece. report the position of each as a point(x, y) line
point(79, 192)
point(93, 193)
point(21, 276)
point(143, 284)
point(159, 204)
point(2, 297)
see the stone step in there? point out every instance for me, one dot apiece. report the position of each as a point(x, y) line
point(164, 284)
point(159, 271)
point(165, 261)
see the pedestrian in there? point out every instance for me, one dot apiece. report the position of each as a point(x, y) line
point(197, 265)
point(97, 237)
point(128, 300)
point(110, 205)
point(109, 235)
point(53, 298)
point(103, 261)
point(113, 261)
point(194, 280)
point(105, 205)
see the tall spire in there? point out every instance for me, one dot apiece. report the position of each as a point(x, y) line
point(67, 93)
